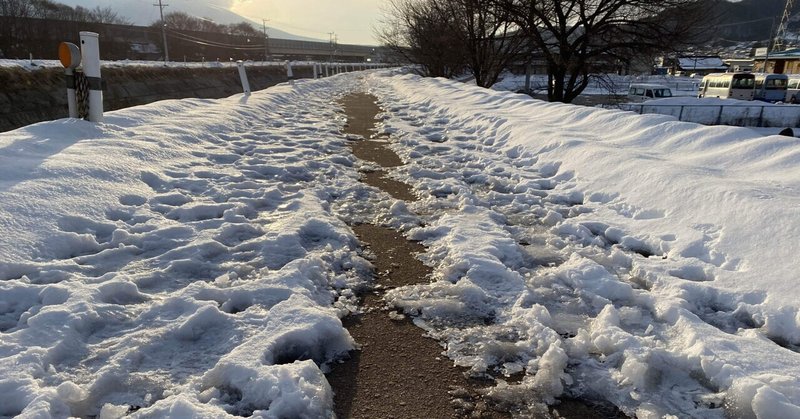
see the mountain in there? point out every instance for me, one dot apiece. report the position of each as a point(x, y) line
point(142, 12)
point(750, 20)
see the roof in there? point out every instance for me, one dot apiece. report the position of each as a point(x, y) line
point(649, 85)
point(789, 53)
point(701, 63)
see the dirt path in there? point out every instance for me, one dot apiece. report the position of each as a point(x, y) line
point(397, 373)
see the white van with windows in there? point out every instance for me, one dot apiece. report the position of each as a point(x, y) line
point(793, 89)
point(640, 92)
point(728, 86)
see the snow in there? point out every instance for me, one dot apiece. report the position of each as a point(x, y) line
point(657, 253)
point(193, 258)
point(180, 259)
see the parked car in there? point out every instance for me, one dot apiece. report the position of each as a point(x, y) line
point(640, 92)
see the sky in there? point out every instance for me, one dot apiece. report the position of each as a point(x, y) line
point(351, 20)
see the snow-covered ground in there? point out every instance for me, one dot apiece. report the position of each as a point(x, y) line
point(193, 257)
point(178, 257)
point(651, 260)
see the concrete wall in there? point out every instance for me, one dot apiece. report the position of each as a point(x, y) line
point(28, 97)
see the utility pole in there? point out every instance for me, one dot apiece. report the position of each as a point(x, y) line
point(266, 40)
point(330, 38)
point(163, 29)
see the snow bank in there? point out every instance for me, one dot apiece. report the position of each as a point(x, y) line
point(714, 111)
point(657, 254)
point(183, 258)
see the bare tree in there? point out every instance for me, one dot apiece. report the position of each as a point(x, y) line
point(419, 32)
point(107, 15)
point(242, 29)
point(447, 36)
point(573, 36)
point(488, 37)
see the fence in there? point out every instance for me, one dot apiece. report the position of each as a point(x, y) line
point(755, 115)
point(621, 87)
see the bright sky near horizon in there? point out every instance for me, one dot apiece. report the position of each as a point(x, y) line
point(351, 20)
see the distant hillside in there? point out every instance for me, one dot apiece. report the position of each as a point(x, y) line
point(749, 20)
point(142, 12)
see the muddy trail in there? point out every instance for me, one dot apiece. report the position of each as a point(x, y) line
point(398, 372)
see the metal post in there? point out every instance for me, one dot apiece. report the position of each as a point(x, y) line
point(327, 69)
point(528, 69)
point(719, 117)
point(90, 57)
point(289, 72)
point(680, 116)
point(266, 41)
point(314, 65)
point(243, 77)
point(761, 117)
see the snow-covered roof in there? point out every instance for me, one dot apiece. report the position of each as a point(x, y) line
point(701, 63)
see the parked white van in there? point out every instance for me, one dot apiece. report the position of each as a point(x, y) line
point(640, 92)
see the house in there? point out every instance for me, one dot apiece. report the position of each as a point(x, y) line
point(700, 65)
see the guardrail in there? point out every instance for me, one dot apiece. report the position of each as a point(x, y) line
point(755, 115)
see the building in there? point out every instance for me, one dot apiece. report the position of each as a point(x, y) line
point(781, 62)
point(700, 65)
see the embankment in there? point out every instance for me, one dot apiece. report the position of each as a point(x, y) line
point(27, 97)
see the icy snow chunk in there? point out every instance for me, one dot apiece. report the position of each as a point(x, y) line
point(285, 380)
point(205, 318)
point(71, 392)
point(547, 383)
point(768, 403)
point(120, 291)
point(110, 411)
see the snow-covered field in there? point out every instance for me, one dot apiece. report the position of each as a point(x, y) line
point(193, 257)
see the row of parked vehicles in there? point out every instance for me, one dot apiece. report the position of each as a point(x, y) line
point(750, 86)
point(741, 86)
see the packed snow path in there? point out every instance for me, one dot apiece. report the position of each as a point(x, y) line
point(194, 257)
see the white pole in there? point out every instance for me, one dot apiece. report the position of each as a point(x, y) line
point(90, 57)
point(72, 98)
point(289, 72)
point(316, 76)
point(327, 67)
point(243, 76)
